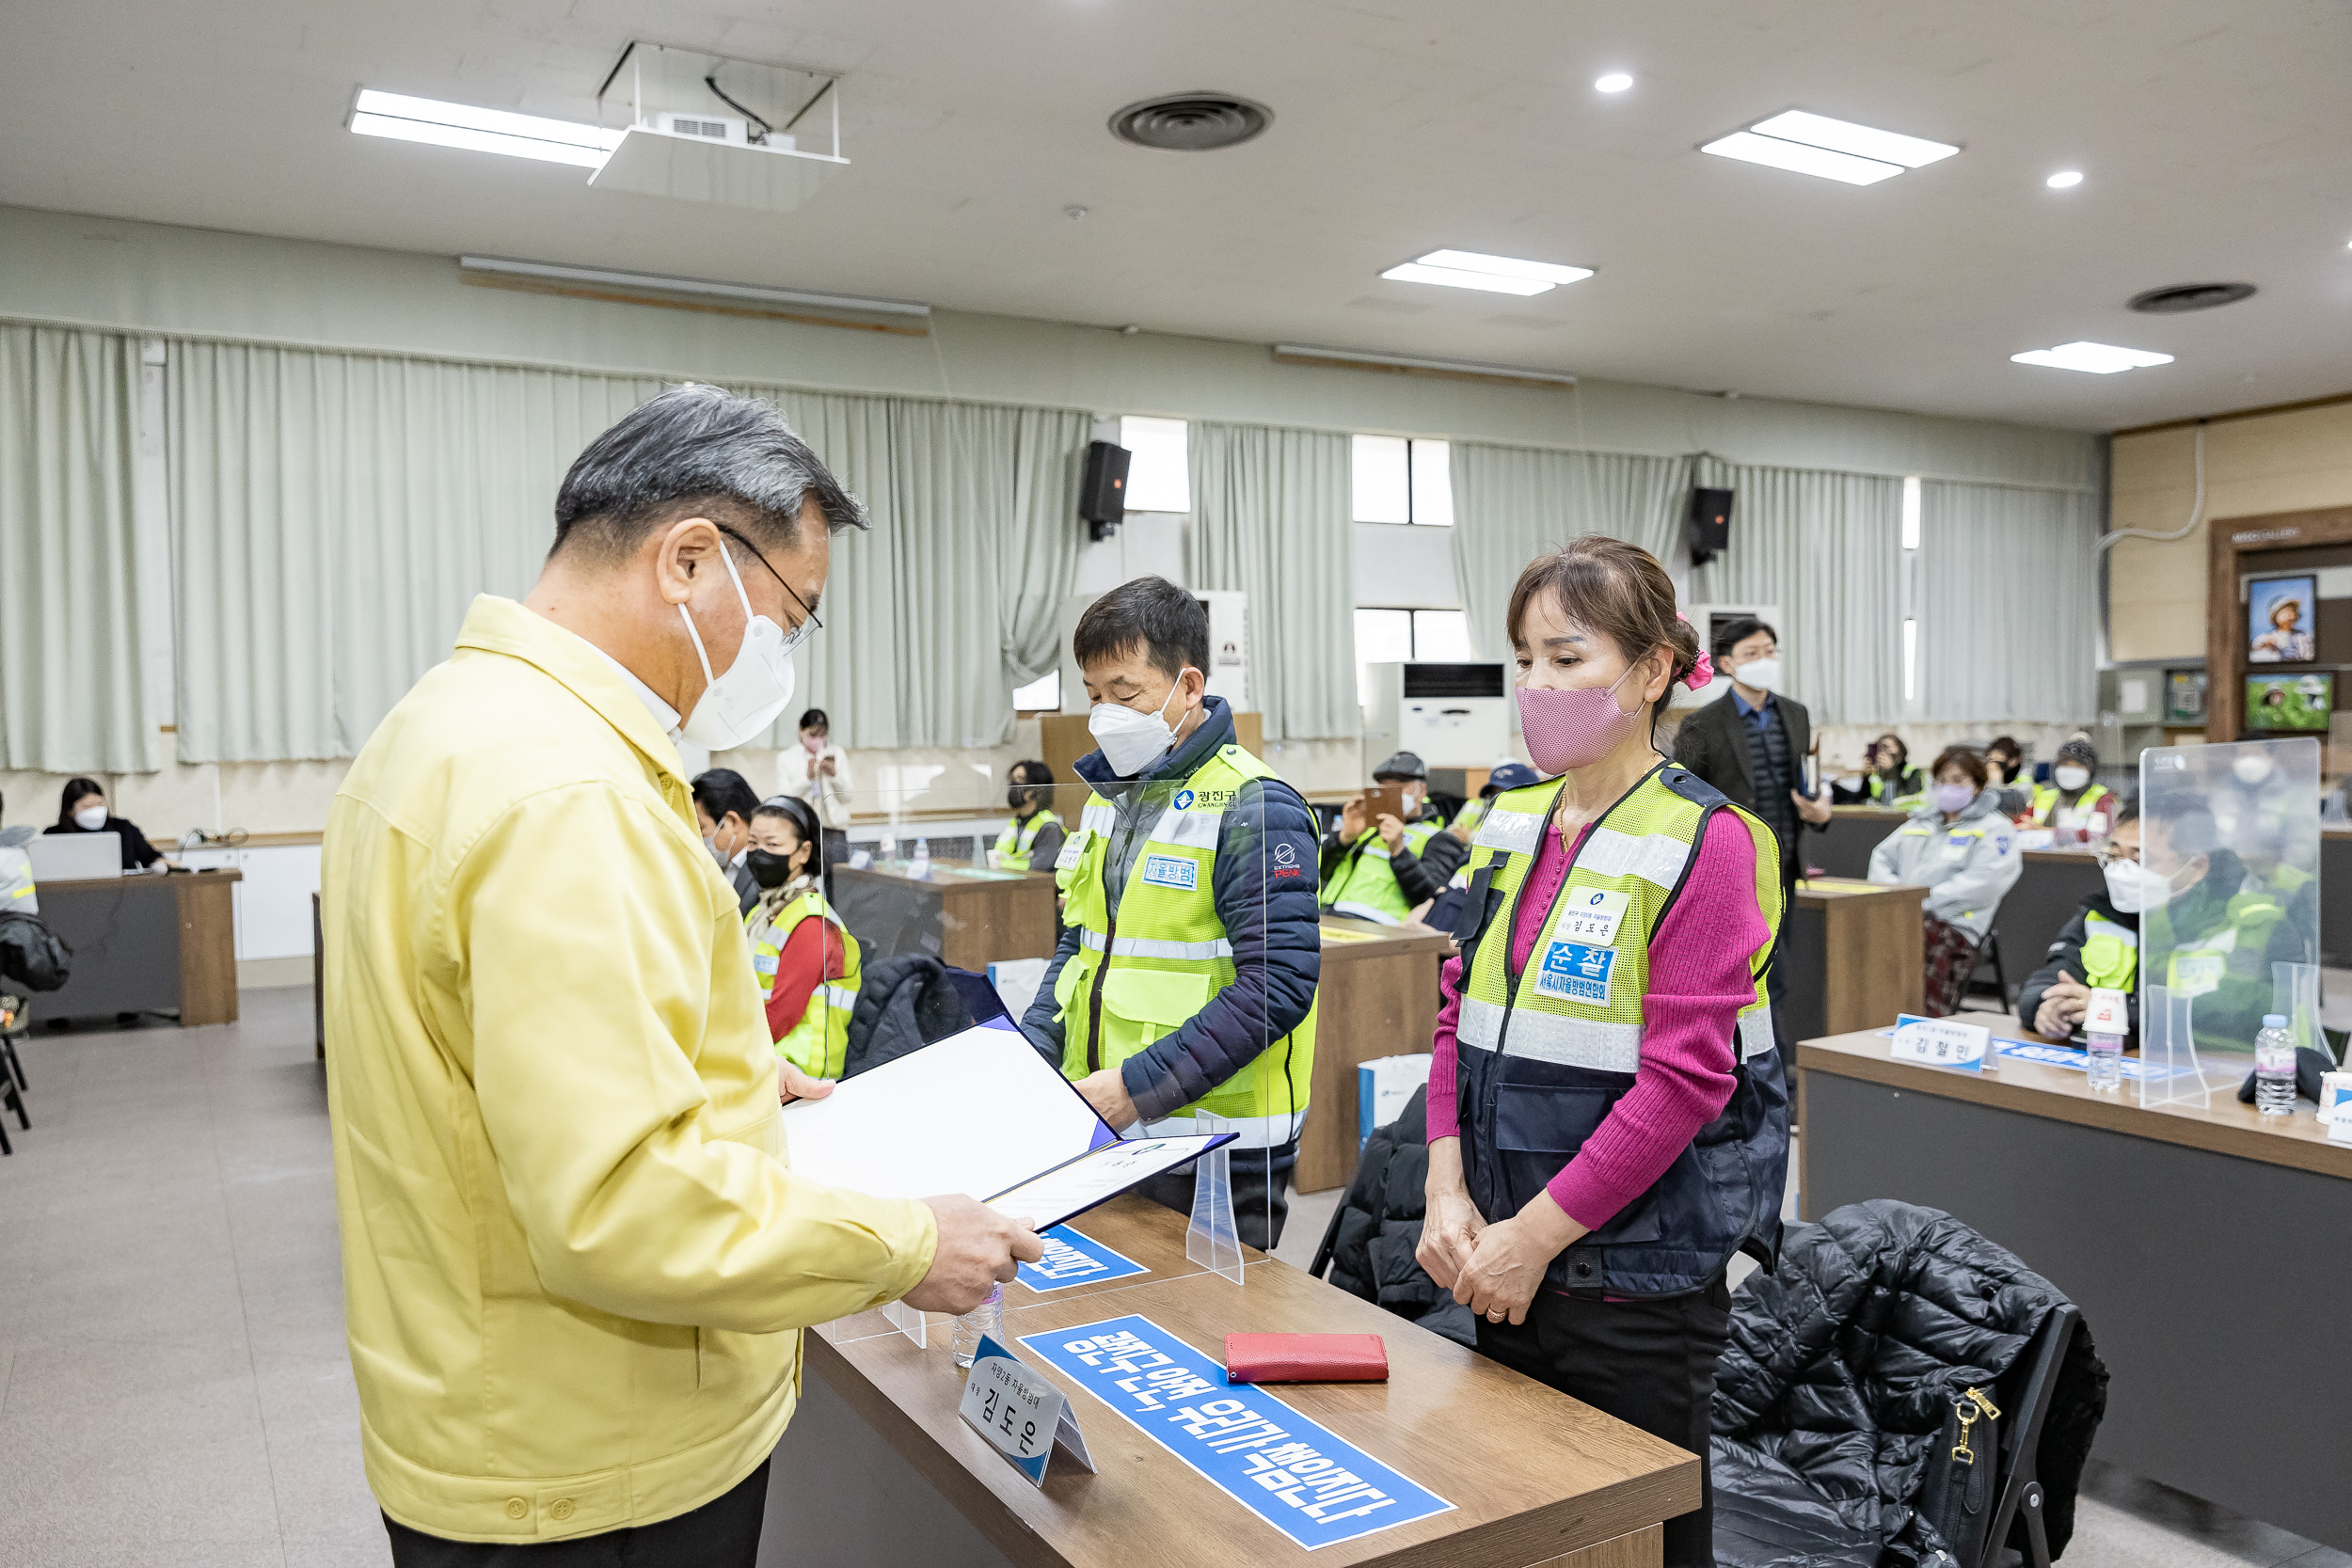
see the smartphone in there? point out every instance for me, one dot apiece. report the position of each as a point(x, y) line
point(1383, 799)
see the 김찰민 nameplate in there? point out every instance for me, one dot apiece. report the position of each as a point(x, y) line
point(1296, 1475)
point(1941, 1042)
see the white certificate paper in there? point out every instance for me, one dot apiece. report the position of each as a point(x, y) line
point(1071, 1189)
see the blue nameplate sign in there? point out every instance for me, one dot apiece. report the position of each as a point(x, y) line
point(1072, 1259)
point(1313, 1485)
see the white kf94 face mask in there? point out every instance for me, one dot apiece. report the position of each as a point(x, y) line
point(745, 699)
point(1762, 673)
point(1132, 741)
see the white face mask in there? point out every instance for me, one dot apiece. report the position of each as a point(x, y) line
point(2071, 778)
point(1132, 741)
point(2126, 887)
point(90, 818)
point(1762, 673)
point(2251, 769)
point(745, 699)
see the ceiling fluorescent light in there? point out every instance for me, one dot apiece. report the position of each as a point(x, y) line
point(1840, 136)
point(1471, 269)
point(2095, 358)
point(1408, 364)
point(1752, 148)
point(462, 125)
point(757, 291)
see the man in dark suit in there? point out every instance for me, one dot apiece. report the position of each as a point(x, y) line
point(1752, 744)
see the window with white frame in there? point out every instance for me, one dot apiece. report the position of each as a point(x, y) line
point(1391, 635)
point(1402, 478)
point(1159, 473)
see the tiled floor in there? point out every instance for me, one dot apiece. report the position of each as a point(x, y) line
point(173, 1388)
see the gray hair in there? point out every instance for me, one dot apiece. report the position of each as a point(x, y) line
point(686, 449)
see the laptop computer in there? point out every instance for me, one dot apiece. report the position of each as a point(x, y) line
point(74, 857)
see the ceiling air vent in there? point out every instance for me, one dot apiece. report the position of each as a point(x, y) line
point(1191, 121)
point(2180, 297)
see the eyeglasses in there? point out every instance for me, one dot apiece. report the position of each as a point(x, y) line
point(793, 636)
point(2108, 854)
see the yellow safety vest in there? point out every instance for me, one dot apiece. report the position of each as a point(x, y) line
point(1364, 884)
point(2110, 952)
point(1133, 979)
point(818, 1045)
point(2046, 802)
point(1468, 818)
point(1012, 845)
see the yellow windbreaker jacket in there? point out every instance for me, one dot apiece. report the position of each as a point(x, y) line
point(574, 1263)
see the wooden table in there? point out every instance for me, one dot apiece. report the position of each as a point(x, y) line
point(967, 917)
point(1856, 957)
point(2205, 1246)
point(146, 943)
point(877, 1468)
point(1377, 997)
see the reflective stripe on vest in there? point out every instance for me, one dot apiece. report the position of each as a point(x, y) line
point(1012, 845)
point(2046, 803)
point(1150, 971)
point(818, 1045)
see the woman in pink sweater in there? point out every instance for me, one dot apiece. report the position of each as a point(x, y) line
point(1607, 1118)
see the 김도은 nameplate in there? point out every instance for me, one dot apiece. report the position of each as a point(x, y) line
point(1020, 1412)
point(1941, 1042)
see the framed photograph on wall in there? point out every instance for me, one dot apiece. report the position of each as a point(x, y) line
point(2282, 620)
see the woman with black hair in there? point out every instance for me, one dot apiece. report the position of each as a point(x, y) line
point(801, 950)
point(82, 809)
point(1891, 781)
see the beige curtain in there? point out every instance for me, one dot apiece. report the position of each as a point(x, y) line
point(2008, 604)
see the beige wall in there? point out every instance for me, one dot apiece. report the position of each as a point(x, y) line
point(2287, 462)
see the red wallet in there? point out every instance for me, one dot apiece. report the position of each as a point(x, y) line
point(1305, 1358)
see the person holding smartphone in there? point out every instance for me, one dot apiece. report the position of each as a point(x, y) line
point(1383, 864)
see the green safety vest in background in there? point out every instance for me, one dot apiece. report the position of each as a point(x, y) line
point(1545, 1053)
point(1012, 845)
point(1466, 819)
point(1365, 883)
point(818, 1045)
point(1918, 796)
point(2046, 802)
point(1147, 973)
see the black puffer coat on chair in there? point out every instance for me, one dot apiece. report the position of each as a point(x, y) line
point(1379, 1228)
point(1844, 1363)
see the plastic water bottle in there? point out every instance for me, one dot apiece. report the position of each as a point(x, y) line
point(920, 868)
point(987, 1318)
point(2274, 1068)
point(2107, 1063)
point(888, 849)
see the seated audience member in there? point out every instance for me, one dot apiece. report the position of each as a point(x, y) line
point(17, 891)
point(1508, 773)
point(82, 809)
point(724, 803)
point(1962, 850)
point(2217, 928)
point(1033, 835)
point(801, 950)
point(2097, 950)
point(817, 771)
point(1386, 868)
point(2005, 769)
point(2069, 800)
point(1891, 782)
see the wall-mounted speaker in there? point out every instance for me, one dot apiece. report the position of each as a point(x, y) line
point(1706, 528)
point(1103, 499)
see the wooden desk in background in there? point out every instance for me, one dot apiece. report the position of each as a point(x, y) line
point(1377, 997)
point(967, 917)
point(1535, 1477)
point(2203, 1244)
point(146, 943)
point(1856, 957)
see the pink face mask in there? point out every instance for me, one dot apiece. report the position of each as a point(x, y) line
point(1568, 729)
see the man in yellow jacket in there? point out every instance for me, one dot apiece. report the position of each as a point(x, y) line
point(575, 1261)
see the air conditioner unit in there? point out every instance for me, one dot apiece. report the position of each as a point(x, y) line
point(1449, 715)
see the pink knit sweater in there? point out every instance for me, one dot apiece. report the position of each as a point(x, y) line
point(1698, 982)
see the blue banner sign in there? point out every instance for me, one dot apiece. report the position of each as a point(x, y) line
point(1072, 1259)
point(1310, 1485)
point(2072, 1059)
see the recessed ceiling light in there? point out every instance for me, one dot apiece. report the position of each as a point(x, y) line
point(2095, 358)
point(2065, 180)
point(462, 125)
point(1471, 269)
point(1617, 81)
point(1831, 148)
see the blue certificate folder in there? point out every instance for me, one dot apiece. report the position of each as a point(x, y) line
point(1311, 1484)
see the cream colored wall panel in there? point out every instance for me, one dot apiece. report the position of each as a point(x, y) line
point(2156, 628)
